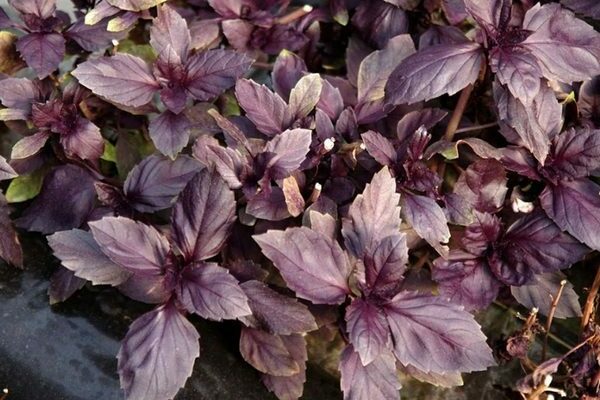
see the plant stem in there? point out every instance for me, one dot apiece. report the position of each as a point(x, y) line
point(476, 127)
point(294, 15)
point(458, 112)
point(551, 317)
point(589, 302)
point(262, 65)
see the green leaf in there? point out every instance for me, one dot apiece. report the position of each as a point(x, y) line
point(110, 152)
point(143, 51)
point(25, 187)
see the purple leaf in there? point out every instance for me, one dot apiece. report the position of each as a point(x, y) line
point(427, 218)
point(137, 247)
point(84, 141)
point(154, 183)
point(134, 5)
point(490, 14)
point(434, 335)
point(527, 242)
point(290, 387)
point(170, 34)
point(40, 8)
point(228, 162)
point(289, 150)
point(575, 207)
point(170, 133)
point(101, 11)
point(590, 8)
point(376, 381)
point(466, 280)
point(516, 68)
point(63, 284)
point(267, 353)
point(10, 246)
point(212, 72)
point(122, 78)
point(18, 93)
point(151, 289)
point(65, 201)
point(269, 205)
point(211, 292)
point(412, 121)
point(305, 95)
point(567, 49)
point(287, 71)
point(42, 52)
point(79, 252)
point(157, 355)
point(483, 185)
point(92, 37)
point(6, 171)
point(542, 291)
point(330, 101)
point(368, 330)
point(373, 215)
point(576, 153)
point(379, 147)
point(274, 312)
point(312, 264)
point(434, 71)
point(202, 216)
point(264, 108)
point(535, 124)
point(376, 68)
point(380, 21)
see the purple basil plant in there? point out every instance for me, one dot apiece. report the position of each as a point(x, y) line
point(358, 184)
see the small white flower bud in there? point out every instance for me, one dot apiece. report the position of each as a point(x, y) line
point(329, 143)
point(547, 380)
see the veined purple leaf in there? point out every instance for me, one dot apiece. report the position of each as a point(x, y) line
point(202, 216)
point(42, 52)
point(427, 218)
point(275, 312)
point(490, 15)
point(536, 124)
point(122, 78)
point(373, 215)
point(312, 264)
point(154, 183)
point(575, 207)
point(290, 387)
point(466, 280)
point(264, 108)
point(518, 69)
point(18, 93)
point(590, 8)
point(84, 141)
point(157, 355)
point(92, 37)
point(137, 247)
point(323, 223)
point(368, 330)
point(212, 72)
point(376, 381)
point(376, 68)
point(379, 21)
point(269, 205)
point(211, 292)
point(385, 265)
point(150, 289)
point(134, 5)
point(227, 8)
point(576, 152)
point(66, 200)
point(267, 353)
point(289, 150)
point(434, 335)
point(63, 284)
point(483, 185)
point(305, 95)
point(226, 161)
point(379, 147)
point(40, 8)
point(79, 252)
point(447, 380)
point(287, 71)
point(543, 290)
point(331, 101)
point(567, 49)
point(412, 121)
point(170, 34)
point(170, 132)
point(10, 246)
point(434, 71)
point(528, 238)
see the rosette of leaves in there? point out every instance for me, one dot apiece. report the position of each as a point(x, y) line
point(548, 44)
point(46, 31)
point(384, 321)
point(174, 272)
point(262, 25)
point(178, 76)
